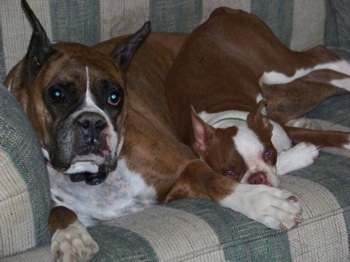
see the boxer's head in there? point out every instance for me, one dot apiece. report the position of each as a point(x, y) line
point(241, 149)
point(76, 100)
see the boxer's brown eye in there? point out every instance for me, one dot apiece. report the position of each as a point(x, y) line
point(57, 96)
point(113, 99)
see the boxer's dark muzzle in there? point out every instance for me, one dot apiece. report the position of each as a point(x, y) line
point(89, 127)
point(89, 135)
point(83, 148)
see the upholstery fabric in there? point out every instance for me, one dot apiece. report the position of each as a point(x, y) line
point(339, 35)
point(24, 195)
point(190, 229)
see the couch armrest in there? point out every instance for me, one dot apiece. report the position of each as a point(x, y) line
point(24, 188)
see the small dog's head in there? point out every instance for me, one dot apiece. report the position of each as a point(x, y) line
point(76, 99)
point(243, 152)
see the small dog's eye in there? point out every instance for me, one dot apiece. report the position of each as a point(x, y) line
point(113, 99)
point(231, 172)
point(267, 154)
point(57, 95)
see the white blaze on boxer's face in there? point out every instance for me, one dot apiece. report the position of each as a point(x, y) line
point(89, 102)
point(91, 106)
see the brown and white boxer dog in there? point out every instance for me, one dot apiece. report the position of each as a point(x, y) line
point(225, 70)
point(109, 140)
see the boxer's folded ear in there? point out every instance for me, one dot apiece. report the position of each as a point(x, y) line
point(39, 50)
point(125, 50)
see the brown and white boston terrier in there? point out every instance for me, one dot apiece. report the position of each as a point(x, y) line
point(105, 129)
point(227, 70)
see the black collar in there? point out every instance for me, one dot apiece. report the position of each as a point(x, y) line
point(91, 179)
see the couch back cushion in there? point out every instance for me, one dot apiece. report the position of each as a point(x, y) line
point(298, 24)
point(24, 188)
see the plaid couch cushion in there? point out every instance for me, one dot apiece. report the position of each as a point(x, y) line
point(24, 194)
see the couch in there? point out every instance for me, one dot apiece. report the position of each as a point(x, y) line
point(189, 229)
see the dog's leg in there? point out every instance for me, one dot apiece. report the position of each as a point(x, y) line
point(308, 142)
point(70, 240)
point(304, 122)
point(289, 101)
point(273, 207)
point(317, 58)
point(320, 138)
point(316, 124)
point(296, 157)
point(274, 77)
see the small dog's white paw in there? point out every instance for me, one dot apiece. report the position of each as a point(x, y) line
point(305, 154)
point(273, 207)
point(73, 243)
point(296, 157)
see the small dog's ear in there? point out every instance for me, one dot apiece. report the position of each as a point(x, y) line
point(202, 133)
point(125, 50)
point(39, 50)
point(258, 119)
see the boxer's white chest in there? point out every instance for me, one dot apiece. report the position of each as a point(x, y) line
point(124, 192)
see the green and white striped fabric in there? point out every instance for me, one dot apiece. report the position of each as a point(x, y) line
point(24, 195)
point(190, 229)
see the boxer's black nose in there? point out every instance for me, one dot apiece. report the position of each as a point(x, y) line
point(91, 125)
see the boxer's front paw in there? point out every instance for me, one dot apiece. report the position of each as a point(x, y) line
point(273, 207)
point(73, 243)
point(296, 157)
